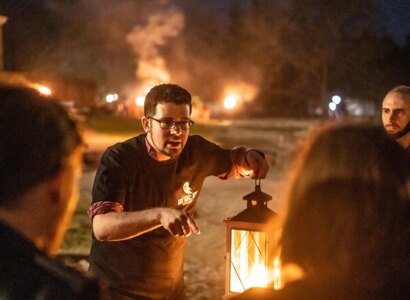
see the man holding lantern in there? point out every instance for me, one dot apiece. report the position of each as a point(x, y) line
point(144, 196)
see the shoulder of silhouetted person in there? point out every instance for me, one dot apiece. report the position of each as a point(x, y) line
point(28, 273)
point(319, 288)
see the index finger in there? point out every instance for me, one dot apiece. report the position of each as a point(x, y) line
point(192, 225)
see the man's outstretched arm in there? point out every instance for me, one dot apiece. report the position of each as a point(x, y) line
point(119, 225)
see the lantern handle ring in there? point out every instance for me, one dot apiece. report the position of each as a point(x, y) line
point(257, 182)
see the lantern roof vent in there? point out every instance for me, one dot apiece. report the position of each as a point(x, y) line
point(257, 210)
point(258, 195)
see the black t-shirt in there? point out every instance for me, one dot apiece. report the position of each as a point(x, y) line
point(151, 264)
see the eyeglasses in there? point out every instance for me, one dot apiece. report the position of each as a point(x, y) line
point(171, 124)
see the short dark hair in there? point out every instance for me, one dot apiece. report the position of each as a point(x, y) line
point(166, 93)
point(36, 134)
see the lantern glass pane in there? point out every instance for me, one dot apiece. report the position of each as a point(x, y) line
point(248, 265)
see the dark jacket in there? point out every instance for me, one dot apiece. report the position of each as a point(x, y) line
point(27, 273)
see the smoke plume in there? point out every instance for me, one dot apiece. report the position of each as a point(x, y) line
point(146, 41)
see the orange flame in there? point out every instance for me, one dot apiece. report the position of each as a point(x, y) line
point(249, 267)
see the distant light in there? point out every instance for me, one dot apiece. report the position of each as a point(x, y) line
point(44, 90)
point(111, 98)
point(336, 99)
point(139, 101)
point(332, 106)
point(230, 102)
point(147, 89)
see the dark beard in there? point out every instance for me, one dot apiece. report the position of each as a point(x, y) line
point(171, 153)
point(402, 132)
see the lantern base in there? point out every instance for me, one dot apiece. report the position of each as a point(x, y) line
point(252, 293)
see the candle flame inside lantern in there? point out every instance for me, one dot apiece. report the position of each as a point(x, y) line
point(249, 266)
point(248, 260)
point(259, 276)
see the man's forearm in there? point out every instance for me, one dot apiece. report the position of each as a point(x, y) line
point(117, 226)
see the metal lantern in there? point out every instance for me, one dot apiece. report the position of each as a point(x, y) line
point(252, 258)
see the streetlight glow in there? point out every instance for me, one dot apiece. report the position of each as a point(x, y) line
point(332, 106)
point(111, 98)
point(336, 99)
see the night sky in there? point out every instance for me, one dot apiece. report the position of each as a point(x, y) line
point(396, 15)
point(397, 19)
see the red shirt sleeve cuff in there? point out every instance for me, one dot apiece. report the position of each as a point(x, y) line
point(103, 207)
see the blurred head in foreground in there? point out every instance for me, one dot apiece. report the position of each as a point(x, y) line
point(348, 204)
point(40, 165)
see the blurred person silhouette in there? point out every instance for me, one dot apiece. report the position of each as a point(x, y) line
point(347, 222)
point(145, 192)
point(396, 115)
point(40, 165)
